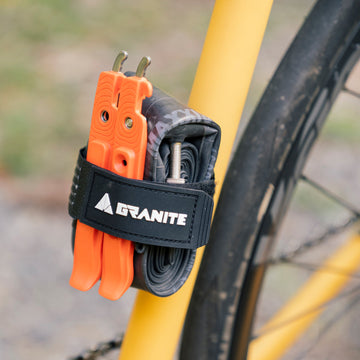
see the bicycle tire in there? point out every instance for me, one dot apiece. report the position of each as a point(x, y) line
point(262, 176)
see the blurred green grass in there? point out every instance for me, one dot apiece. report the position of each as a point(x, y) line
point(343, 125)
point(53, 52)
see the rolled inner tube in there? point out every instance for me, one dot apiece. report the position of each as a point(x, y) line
point(159, 270)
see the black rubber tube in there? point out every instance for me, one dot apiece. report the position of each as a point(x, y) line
point(158, 270)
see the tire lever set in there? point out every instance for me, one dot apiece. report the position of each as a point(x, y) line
point(137, 223)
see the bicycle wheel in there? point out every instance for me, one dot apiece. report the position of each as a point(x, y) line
point(266, 166)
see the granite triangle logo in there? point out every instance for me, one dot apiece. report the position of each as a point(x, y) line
point(104, 204)
point(137, 213)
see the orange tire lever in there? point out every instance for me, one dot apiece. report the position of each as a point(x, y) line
point(117, 142)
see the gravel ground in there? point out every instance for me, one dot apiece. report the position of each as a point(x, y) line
point(42, 316)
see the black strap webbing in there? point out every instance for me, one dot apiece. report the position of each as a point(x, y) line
point(142, 211)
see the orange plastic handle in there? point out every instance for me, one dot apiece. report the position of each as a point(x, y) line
point(117, 142)
point(128, 159)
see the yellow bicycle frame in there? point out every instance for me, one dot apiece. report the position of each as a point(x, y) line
point(220, 88)
point(219, 91)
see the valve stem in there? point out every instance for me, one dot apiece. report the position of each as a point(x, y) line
point(175, 164)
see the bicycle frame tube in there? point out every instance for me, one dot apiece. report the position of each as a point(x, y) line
point(220, 88)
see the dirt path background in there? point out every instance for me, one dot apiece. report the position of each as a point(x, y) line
point(42, 317)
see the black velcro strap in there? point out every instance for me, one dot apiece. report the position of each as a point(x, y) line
point(138, 210)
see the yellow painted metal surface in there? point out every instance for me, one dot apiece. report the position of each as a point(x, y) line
point(220, 87)
point(280, 333)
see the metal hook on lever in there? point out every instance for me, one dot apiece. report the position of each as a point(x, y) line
point(120, 59)
point(143, 65)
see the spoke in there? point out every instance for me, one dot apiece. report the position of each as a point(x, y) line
point(352, 92)
point(331, 195)
point(306, 246)
point(297, 317)
point(326, 327)
point(316, 267)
